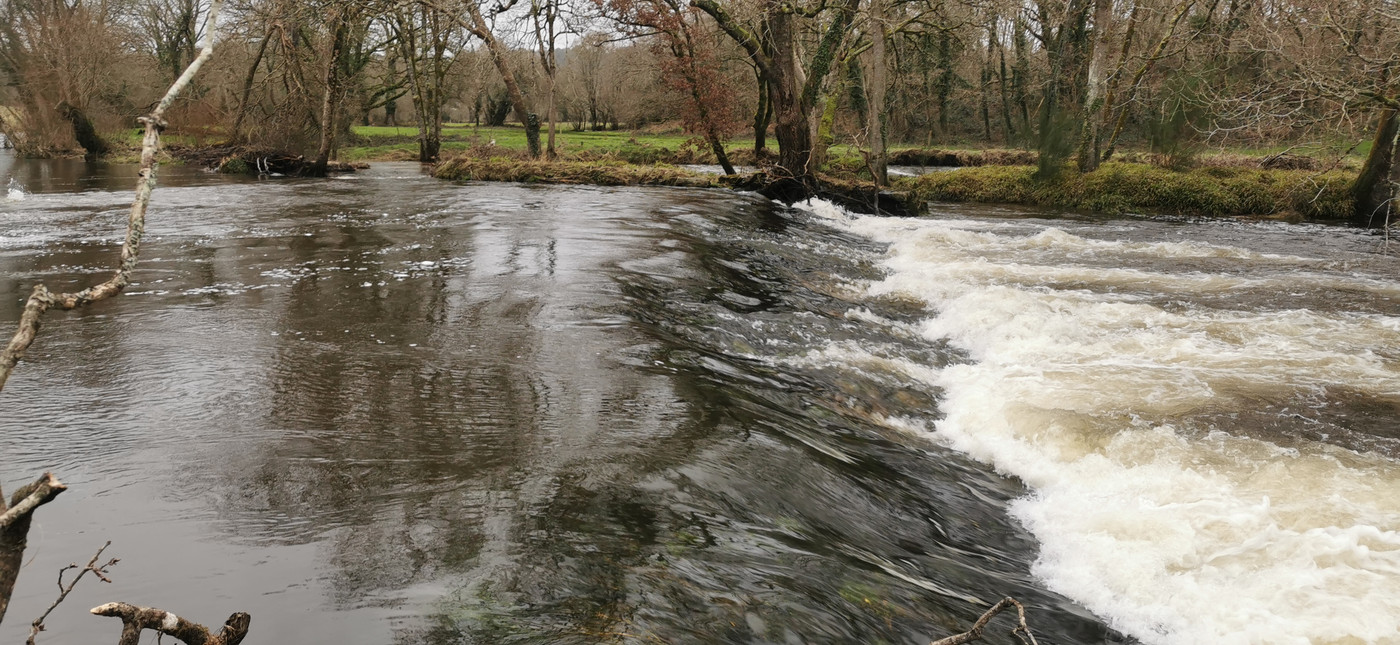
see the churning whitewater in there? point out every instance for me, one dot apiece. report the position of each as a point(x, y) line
point(1208, 430)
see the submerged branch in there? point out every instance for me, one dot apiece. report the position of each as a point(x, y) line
point(1021, 631)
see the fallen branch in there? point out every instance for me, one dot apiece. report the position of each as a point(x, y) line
point(16, 519)
point(1022, 632)
point(41, 299)
point(14, 529)
point(136, 619)
point(99, 571)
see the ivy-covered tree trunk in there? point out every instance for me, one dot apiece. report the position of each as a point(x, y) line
point(943, 87)
point(1057, 106)
point(825, 122)
point(761, 117)
point(1371, 189)
point(1021, 77)
point(793, 91)
point(1087, 158)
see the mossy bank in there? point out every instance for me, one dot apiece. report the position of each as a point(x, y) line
point(599, 173)
point(1124, 188)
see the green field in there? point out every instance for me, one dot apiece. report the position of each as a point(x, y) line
point(400, 142)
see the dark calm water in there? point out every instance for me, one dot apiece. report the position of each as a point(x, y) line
point(387, 409)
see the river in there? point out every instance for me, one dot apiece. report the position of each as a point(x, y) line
point(382, 408)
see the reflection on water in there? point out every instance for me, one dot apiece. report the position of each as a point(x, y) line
point(390, 408)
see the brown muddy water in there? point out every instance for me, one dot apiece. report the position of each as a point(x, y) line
point(387, 409)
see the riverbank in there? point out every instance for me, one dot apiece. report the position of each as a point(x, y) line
point(600, 173)
point(856, 195)
point(1227, 184)
point(1127, 187)
point(1115, 188)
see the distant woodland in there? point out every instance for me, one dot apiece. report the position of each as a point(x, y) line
point(1075, 80)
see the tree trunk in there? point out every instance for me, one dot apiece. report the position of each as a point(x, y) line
point(721, 156)
point(944, 86)
point(1136, 83)
point(792, 90)
point(1371, 189)
point(330, 102)
point(1087, 158)
point(481, 30)
point(791, 127)
point(1110, 103)
point(761, 116)
point(1021, 78)
point(14, 530)
point(552, 114)
point(875, 91)
point(825, 123)
point(1010, 134)
point(84, 131)
point(236, 133)
point(1056, 104)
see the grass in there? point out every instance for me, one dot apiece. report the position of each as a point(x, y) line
point(400, 142)
point(1125, 187)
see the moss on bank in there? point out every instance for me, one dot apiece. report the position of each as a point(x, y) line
point(600, 173)
point(1123, 187)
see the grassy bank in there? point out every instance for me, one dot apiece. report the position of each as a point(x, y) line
point(1125, 187)
point(381, 143)
point(1222, 185)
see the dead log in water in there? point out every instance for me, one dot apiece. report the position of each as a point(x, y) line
point(855, 196)
point(241, 159)
point(138, 619)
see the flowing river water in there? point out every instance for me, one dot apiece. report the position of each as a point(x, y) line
point(383, 408)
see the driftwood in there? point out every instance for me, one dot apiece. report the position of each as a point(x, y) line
point(1021, 631)
point(136, 619)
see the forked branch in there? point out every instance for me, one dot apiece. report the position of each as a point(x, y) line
point(63, 590)
point(1022, 632)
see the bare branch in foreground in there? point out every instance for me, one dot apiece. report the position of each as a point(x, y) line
point(135, 619)
point(1022, 632)
point(41, 299)
point(99, 571)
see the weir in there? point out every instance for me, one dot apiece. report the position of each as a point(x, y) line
point(387, 408)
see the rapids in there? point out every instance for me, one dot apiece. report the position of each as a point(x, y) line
point(384, 408)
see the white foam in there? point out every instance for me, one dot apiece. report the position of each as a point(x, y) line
point(1174, 533)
